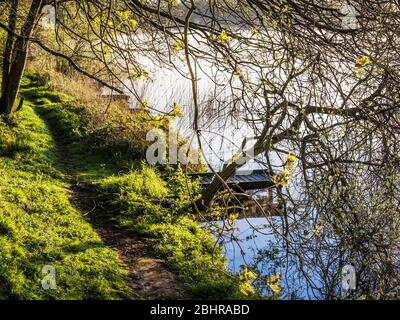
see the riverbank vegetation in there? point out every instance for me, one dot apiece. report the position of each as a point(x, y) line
point(128, 190)
point(304, 90)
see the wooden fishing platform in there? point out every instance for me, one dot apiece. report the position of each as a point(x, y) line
point(243, 181)
point(243, 184)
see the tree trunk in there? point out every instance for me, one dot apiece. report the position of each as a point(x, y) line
point(260, 146)
point(229, 170)
point(12, 84)
point(16, 53)
point(7, 57)
point(215, 186)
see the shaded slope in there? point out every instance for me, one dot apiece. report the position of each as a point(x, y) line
point(39, 226)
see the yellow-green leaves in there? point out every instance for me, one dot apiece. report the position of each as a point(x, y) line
point(361, 65)
point(254, 31)
point(233, 217)
point(126, 16)
point(223, 37)
point(285, 8)
point(317, 231)
point(363, 61)
point(133, 23)
point(145, 104)
point(247, 288)
point(139, 73)
point(96, 22)
point(273, 283)
point(290, 161)
point(178, 46)
point(176, 110)
point(246, 277)
point(281, 179)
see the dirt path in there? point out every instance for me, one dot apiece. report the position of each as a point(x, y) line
point(148, 277)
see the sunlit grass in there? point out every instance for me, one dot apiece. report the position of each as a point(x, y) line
point(39, 226)
point(151, 203)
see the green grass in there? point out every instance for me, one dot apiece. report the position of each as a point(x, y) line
point(135, 194)
point(177, 239)
point(39, 226)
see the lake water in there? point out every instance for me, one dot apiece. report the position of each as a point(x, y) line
point(253, 244)
point(222, 130)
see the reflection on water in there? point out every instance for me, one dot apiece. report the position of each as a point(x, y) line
point(252, 244)
point(223, 129)
point(219, 95)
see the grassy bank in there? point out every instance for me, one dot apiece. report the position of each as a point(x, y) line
point(39, 226)
point(134, 193)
